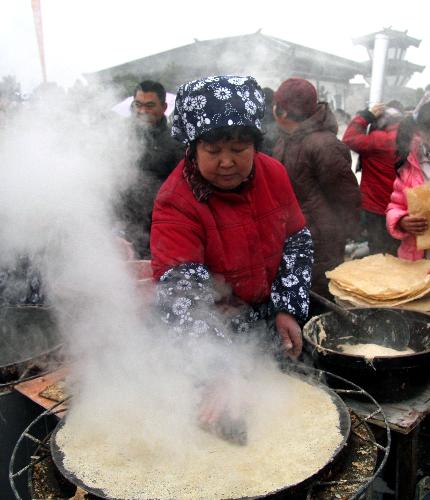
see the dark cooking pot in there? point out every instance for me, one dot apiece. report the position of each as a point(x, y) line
point(28, 340)
point(386, 378)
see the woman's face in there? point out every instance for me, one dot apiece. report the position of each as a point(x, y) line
point(225, 164)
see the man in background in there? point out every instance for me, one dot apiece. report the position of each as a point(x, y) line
point(159, 155)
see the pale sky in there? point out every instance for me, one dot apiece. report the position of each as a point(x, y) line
point(83, 36)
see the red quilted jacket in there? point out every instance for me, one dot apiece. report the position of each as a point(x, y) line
point(239, 236)
point(377, 152)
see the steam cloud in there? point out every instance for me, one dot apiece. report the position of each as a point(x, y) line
point(131, 384)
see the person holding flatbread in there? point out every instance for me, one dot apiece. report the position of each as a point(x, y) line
point(413, 171)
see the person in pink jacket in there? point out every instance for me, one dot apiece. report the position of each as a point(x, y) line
point(413, 143)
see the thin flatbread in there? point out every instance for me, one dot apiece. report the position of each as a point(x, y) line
point(357, 300)
point(420, 305)
point(419, 204)
point(405, 296)
point(383, 276)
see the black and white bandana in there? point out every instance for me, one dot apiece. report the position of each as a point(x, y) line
point(214, 102)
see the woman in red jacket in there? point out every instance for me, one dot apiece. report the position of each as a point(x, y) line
point(228, 241)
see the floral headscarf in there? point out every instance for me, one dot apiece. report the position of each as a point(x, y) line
point(214, 102)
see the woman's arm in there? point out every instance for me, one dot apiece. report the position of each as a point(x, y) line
point(290, 290)
point(186, 298)
point(357, 138)
point(397, 209)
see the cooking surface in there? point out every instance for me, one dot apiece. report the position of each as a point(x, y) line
point(33, 388)
point(209, 467)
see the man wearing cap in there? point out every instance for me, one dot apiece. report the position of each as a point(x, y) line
point(159, 154)
point(319, 166)
point(372, 134)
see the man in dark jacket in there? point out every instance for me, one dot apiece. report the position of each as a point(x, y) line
point(372, 134)
point(319, 166)
point(160, 155)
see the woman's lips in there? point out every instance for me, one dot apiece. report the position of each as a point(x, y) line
point(228, 177)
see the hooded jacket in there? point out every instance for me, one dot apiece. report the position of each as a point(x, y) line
point(377, 152)
point(319, 166)
point(410, 175)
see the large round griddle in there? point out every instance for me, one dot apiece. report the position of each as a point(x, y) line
point(290, 491)
point(28, 334)
point(387, 378)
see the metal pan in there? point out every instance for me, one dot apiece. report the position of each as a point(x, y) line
point(386, 378)
point(295, 491)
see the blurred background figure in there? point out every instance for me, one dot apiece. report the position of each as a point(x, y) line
point(269, 126)
point(343, 118)
point(319, 166)
point(158, 156)
point(21, 284)
point(413, 169)
point(372, 134)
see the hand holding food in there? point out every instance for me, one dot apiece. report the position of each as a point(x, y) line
point(413, 224)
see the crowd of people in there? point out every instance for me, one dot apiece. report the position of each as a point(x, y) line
point(264, 200)
point(247, 197)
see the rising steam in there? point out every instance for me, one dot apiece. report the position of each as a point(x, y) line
point(132, 385)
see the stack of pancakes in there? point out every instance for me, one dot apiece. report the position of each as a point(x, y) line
point(382, 280)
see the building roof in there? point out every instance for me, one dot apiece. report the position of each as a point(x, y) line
point(399, 39)
point(269, 59)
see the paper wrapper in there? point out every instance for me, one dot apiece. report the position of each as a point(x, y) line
point(419, 204)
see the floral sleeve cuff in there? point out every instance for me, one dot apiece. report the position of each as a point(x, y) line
point(290, 289)
point(186, 298)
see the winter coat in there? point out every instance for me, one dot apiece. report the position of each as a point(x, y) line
point(410, 175)
point(161, 154)
point(319, 166)
point(238, 235)
point(377, 152)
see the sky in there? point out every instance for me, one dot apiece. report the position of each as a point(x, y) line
point(83, 36)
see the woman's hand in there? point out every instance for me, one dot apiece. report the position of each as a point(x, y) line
point(377, 109)
point(290, 333)
point(412, 224)
point(222, 412)
point(215, 402)
point(220, 398)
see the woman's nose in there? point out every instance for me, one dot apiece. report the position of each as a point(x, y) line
point(226, 161)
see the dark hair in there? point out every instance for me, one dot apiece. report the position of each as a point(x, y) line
point(269, 96)
point(396, 105)
point(237, 132)
point(151, 86)
point(296, 117)
point(407, 128)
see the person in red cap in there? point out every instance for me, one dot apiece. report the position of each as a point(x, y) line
point(319, 166)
